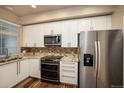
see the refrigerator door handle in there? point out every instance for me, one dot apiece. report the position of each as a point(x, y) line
point(96, 55)
point(99, 51)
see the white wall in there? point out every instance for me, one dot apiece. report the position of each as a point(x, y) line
point(117, 17)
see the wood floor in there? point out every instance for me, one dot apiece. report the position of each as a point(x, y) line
point(36, 83)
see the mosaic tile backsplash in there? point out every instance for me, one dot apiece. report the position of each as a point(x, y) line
point(58, 50)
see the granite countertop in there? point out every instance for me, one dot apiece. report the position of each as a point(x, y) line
point(10, 61)
point(66, 57)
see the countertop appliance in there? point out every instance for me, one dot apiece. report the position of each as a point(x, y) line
point(52, 40)
point(101, 59)
point(50, 66)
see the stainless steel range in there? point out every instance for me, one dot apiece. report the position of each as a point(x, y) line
point(50, 68)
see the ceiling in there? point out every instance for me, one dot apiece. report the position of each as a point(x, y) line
point(24, 10)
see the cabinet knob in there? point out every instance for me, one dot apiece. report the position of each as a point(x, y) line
point(91, 28)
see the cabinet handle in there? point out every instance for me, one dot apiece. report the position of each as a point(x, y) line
point(68, 76)
point(68, 70)
point(17, 68)
point(68, 66)
point(71, 63)
point(39, 66)
point(91, 28)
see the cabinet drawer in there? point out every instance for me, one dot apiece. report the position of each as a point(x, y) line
point(69, 63)
point(68, 79)
point(69, 72)
point(68, 67)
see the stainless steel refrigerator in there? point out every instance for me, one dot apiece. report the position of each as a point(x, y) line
point(101, 57)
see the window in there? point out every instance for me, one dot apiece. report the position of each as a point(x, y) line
point(9, 37)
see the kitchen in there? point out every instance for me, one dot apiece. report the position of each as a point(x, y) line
point(49, 46)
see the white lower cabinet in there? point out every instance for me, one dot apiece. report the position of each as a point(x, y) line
point(69, 72)
point(8, 75)
point(13, 73)
point(34, 68)
point(23, 69)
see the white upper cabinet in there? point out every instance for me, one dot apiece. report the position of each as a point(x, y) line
point(69, 33)
point(65, 37)
point(108, 22)
point(52, 28)
point(84, 24)
point(48, 28)
point(94, 23)
point(38, 36)
point(27, 35)
point(98, 23)
point(57, 29)
point(33, 36)
point(72, 33)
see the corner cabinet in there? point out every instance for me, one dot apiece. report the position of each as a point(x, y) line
point(69, 72)
point(23, 70)
point(34, 68)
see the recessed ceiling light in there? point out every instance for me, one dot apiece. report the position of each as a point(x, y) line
point(33, 6)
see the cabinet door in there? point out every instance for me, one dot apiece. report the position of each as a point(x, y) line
point(84, 24)
point(28, 40)
point(48, 28)
point(65, 38)
point(32, 36)
point(34, 68)
point(57, 27)
point(37, 36)
point(8, 75)
point(108, 22)
point(72, 33)
point(101, 23)
point(23, 70)
point(69, 33)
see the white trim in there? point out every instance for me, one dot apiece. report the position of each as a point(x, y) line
point(10, 22)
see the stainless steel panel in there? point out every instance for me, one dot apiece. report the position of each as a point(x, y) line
point(102, 77)
point(87, 74)
point(110, 59)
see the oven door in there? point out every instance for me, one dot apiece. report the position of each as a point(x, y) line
point(50, 72)
point(50, 66)
point(50, 76)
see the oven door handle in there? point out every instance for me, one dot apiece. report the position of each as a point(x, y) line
point(49, 64)
point(49, 79)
